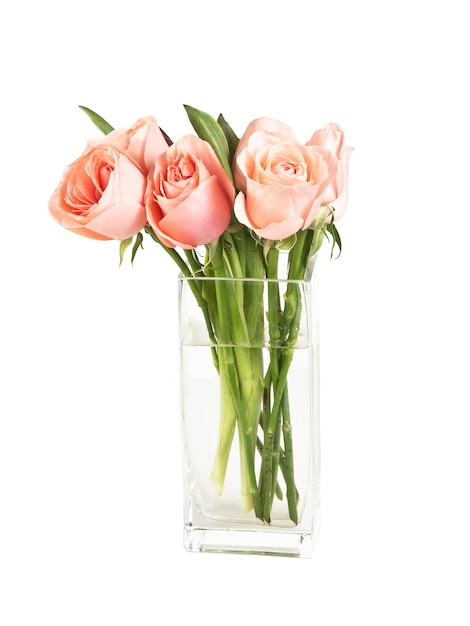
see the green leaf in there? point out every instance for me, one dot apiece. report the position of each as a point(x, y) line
point(125, 243)
point(137, 244)
point(331, 228)
point(208, 129)
point(97, 120)
point(231, 137)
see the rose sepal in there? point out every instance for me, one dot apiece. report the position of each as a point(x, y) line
point(123, 245)
point(333, 231)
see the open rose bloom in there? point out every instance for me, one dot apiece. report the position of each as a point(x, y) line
point(101, 195)
point(189, 197)
point(283, 183)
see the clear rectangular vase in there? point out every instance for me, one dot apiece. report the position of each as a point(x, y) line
point(249, 373)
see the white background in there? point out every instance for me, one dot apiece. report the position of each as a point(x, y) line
point(90, 500)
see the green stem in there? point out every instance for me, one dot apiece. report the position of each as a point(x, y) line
point(267, 464)
point(243, 259)
point(278, 490)
point(270, 459)
point(291, 490)
point(234, 363)
point(227, 424)
point(284, 329)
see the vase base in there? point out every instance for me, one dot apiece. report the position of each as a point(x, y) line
point(234, 541)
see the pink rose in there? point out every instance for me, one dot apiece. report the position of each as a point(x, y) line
point(331, 137)
point(281, 181)
point(143, 142)
point(101, 195)
point(189, 196)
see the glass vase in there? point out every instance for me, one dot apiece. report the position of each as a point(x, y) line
point(249, 372)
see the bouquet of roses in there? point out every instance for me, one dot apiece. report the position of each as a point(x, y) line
point(223, 207)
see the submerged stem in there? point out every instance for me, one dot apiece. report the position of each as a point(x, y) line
point(236, 365)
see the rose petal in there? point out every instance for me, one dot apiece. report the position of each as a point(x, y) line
point(198, 219)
